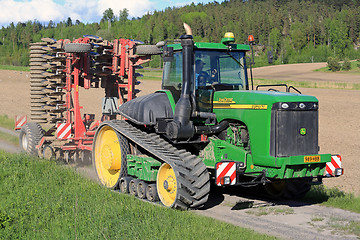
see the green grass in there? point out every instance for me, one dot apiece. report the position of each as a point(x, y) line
point(43, 200)
point(9, 138)
point(333, 197)
point(261, 211)
point(14, 68)
point(150, 74)
point(307, 84)
point(7, 122)
point(343, 225)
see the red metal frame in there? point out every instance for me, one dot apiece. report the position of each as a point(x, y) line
point(124, 63)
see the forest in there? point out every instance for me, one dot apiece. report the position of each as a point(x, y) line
point(294, 30)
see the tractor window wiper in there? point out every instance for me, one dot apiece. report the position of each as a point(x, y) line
point(235, 59)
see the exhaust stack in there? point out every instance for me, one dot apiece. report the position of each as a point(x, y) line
point(181, 127)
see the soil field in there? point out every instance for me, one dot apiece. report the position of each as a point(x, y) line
point(339, 110)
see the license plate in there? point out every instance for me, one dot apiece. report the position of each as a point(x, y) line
point(309, 159)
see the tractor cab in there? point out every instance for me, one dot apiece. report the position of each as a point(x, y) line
point(216, 67)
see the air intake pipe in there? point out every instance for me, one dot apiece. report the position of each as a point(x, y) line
point(181, 127)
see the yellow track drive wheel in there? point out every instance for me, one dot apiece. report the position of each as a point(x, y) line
point(167, 185)
point(109, 156)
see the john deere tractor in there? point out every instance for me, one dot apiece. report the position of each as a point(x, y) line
point(207, 125)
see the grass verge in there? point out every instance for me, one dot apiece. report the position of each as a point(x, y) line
point(42, 200)
point(305, 84)
point(8, 123)
point(9, 138)
point(14, 68)
point(333, 197)
point(150, 74)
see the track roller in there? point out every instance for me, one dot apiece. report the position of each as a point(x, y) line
point(141, 189)
point(124, 184)
point(151, 193)
point(133, 186)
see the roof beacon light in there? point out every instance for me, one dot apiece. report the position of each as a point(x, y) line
point(228, 38)
point(251, 39)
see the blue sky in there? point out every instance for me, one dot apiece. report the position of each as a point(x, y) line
point(83, 10)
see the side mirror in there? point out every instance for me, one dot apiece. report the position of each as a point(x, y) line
point(168, 54)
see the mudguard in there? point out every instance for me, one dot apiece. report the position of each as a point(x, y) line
point(146, 109)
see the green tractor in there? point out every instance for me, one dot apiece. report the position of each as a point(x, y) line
point(207, 125)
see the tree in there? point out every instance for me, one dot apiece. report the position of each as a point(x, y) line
point(108, 16)
point(68, 22)
point(338, 36)
point(123, 16)
point(275, 38)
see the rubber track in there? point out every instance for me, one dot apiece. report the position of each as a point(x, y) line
point(191, 173)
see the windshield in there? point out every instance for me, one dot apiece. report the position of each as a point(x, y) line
point(220, 67)
point(210, 66)
point(213, 69)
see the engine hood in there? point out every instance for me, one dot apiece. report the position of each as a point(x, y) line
point(255, 99)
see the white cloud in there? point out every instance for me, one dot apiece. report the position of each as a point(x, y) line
point(83, 10)
point(42, 10)
point(136, 8)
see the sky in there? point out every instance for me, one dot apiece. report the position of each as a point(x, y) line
point(86, 11)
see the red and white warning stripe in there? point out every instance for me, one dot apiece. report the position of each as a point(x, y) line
point(20, 121)
point(331, 166)
point(226, 169)
point(63, 130)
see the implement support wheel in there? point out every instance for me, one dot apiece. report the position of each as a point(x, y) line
point(30, 135)
point(167, 185)
point(109, 156)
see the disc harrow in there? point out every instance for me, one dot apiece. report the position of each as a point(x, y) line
point(58, 68)
point(42, 67)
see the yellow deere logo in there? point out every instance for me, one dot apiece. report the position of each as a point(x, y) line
point(303, 131)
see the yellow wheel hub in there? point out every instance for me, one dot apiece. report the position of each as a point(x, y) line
point(167, 185)
point(107, 154)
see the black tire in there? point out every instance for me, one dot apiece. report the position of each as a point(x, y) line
point(77, 48)
point(133, 186)
point(141, 189)
point(48, 152)
point(291, 189)
point(30, 135)
point(147, 50)
point(124, 184)
point(151, 193)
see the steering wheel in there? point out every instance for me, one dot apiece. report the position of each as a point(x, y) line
point(203, 78)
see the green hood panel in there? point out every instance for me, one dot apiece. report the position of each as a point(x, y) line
point(261, 97)
point(253, 109)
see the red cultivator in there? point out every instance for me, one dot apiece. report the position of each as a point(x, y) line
point(58, 70)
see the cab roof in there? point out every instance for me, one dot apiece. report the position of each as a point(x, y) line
point(214, 46)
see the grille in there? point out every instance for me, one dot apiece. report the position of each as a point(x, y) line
point(293, 132)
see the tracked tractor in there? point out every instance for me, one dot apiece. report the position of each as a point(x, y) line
point(206, 126)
